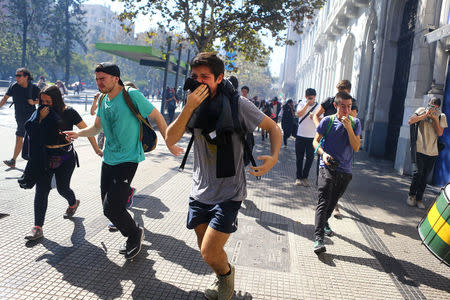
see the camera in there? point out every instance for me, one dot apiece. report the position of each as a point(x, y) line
point(333, 164)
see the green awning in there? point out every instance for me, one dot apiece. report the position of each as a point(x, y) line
point(144, 55)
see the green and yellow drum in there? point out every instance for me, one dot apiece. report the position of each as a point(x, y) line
point(434, 228)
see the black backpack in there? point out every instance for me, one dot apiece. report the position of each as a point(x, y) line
point(247, 141)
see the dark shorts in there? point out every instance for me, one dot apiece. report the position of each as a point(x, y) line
point(20, 120)
point(221, 217)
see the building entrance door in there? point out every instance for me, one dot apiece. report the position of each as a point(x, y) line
point(404, 50)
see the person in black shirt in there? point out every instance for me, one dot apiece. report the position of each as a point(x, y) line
point(59, 152)
point(24, 95)
point(327, 108)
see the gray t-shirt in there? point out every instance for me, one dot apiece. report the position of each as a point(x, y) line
point(206, 187)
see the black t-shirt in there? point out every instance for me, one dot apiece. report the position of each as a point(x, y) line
point(70, 117)
point(20, 97)
point(329, 108)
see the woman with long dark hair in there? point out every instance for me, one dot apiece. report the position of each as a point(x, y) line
point(58, 155)
point(287, 120)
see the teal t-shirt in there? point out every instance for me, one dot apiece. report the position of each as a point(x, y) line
point(122, 128)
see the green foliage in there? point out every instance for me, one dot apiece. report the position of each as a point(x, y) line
point(42, 36)
point(256, 77)
point(237, 25)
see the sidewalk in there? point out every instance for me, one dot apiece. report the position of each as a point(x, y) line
point(375, 253)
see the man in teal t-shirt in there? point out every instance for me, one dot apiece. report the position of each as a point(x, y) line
point(123, 150)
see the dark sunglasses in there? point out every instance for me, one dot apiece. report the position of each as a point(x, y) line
point(19, 75)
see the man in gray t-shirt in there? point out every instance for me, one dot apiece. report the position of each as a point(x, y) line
point(215, 198)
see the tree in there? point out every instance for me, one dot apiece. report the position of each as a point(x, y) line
point(27, 16)
point(237, 25)
point(67, 30)
point(256, 77)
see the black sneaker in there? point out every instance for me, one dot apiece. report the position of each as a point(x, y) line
point(319, 246)
point(134, 246)
point(123, 249)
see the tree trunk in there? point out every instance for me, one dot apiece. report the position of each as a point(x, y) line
point(24, 39)
point(67, 43)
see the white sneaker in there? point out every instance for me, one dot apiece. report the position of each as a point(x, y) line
point(306, 182)
point(298, 182)
point(411, 201)
point(420, 204)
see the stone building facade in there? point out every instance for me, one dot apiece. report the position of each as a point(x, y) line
point(380, 47)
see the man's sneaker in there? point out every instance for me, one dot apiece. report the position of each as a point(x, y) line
point(319, 246)
point(212, 291)
point(112, 227)
point(420, 204)
point(226, 285)
point(327, 230)
point(306, 182)
point(36, 233)
point(298, 182)
point(71, 210)
point(123, 248)
point(337, 213)
point(10, 163)
point(134, 245)
point(130, 197)
point(411, 201)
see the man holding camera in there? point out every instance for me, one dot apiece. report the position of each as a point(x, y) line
point(340, 133)
point(219, 184)
point(431, 124)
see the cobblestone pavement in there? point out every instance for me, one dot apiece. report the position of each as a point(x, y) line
point(375, 253)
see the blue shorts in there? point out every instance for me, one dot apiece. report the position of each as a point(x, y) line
point(221, 217)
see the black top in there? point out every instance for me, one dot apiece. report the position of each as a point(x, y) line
point(20, 97)
point(70, 117)
point(329, 108)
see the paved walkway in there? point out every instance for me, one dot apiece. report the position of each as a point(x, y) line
point(375, 253)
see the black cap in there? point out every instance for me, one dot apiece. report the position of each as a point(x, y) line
point(109, 68)
point(310, 92)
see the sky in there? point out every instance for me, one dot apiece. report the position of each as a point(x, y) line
point(143, 24)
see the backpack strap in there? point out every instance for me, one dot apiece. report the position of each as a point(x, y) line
point(188, 149)
point(242, 130)
point(330, 124)
point(133, 109)
point(352, 120)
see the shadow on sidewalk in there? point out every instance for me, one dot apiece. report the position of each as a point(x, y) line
point(266, 219)
point(405, 271)
point(86, 266)
point(168, 247)
point(389, 228)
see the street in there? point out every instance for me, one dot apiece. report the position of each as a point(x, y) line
point(375, 253)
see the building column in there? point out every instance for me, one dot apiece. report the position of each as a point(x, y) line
point(420, 78)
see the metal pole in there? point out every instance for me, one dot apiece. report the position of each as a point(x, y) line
point(166, 70)
point(188, 63)
point(178, 67)
point(85, 103)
